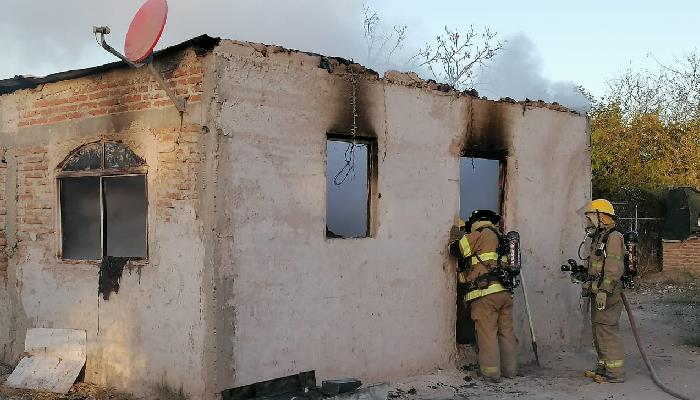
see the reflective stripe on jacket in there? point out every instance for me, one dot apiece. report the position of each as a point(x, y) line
point(481, 246)
point(495, 287)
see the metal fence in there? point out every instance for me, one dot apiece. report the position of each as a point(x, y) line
point(646, 220)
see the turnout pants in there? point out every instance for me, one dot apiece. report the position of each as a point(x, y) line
point(496, 343)
point(606, 337)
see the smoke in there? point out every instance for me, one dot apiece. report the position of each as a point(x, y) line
point(517, 73)
point(41, 37)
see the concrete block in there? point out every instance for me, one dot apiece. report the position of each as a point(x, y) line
point(55, 358)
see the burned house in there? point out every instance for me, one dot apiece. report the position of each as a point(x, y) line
point(293, 218)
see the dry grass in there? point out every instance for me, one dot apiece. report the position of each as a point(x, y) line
point(163, 391)
point(81, 391)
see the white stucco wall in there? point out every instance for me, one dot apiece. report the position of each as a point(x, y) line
point(384, 306)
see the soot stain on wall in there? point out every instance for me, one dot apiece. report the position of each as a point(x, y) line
point(488, 134)
point(342, 122)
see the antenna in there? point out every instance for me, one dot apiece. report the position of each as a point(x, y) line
point(144, 32)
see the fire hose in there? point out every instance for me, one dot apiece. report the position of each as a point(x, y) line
point(645, 357)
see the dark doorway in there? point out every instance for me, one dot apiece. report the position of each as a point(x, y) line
point(479, 188)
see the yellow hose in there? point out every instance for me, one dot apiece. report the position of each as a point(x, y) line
point(654, 377)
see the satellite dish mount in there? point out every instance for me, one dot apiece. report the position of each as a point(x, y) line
point(143, 35)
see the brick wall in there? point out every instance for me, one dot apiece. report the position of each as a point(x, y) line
point(34, 195)
point(173, 164)
point(178, 162)
point(109, 94)
point(682, 255)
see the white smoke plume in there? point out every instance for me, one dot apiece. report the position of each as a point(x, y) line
point(517, 73)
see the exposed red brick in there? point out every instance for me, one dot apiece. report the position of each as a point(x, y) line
point(194, 79)
point(67, 108)
point(683, 255)
point(99, 95)
point(162, 103)
point(25, 151)
point(108, 102)
point(29, 114)
point(58, 118)
point(87, 106)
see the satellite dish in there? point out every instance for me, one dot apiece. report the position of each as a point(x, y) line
point(145, 30)
point(143, 35)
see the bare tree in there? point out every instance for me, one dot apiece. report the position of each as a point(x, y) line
point(683, 87)
point(454, 55)
point(381, 45)
point(638, 92)
point(672, 91)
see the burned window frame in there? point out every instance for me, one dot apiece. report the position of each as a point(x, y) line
point(372, 179)
point(136, 166)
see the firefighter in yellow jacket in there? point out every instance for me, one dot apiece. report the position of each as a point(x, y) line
point(605, 268)
point(491, 303)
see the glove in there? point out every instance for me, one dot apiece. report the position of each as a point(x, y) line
point(585, 287)
point(600, 300)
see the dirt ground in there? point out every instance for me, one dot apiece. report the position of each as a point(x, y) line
point(668, 315)
point(80, 391)
point(670, 330)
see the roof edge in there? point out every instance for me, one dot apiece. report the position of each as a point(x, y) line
point(203, 43)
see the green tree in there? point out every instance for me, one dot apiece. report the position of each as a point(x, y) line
point(643, 152)
point(645, 131)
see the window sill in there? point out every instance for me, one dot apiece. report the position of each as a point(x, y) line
point(142, 262)
point(333, 239)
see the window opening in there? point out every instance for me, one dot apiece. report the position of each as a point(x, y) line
point(347, 187)
point(103, 203)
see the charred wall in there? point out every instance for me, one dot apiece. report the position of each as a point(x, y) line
point(342, 307)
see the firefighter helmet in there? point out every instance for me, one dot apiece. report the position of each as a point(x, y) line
point(484, 215)
point(600, 206)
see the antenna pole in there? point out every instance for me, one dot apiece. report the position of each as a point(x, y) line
point(103, 30)
point(178, 101)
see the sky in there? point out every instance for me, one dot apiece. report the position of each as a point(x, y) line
point(551, 45)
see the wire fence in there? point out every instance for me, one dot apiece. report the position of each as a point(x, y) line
point(646, 219)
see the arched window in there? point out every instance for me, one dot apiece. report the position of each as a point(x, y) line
point(103, 203)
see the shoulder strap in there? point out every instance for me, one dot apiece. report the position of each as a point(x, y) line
point(604, 239)
point(492, 229)
point(498, 235)
point(607, 234)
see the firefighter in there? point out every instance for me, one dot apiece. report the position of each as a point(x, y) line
point(491, 303)
point(605, 269)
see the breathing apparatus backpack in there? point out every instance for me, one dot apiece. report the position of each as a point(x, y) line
point(631, 257)
point(508, 266)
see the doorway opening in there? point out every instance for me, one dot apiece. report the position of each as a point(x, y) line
point(481, 182)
